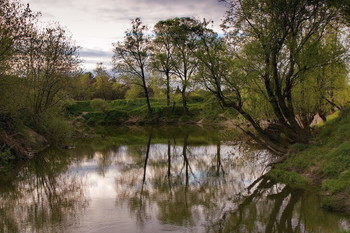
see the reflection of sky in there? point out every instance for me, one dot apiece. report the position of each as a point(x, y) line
point(109, 192)
point(101, 192)
point(113, 184)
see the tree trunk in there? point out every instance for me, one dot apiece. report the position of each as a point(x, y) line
point(184, 99)
point(147, 95)
point(167, 88)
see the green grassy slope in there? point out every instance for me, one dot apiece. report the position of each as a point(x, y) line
point(325, 162)
point(135, 111)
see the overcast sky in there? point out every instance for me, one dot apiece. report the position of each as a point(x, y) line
point(96, 24)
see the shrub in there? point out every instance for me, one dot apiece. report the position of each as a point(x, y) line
point(55, 128)
point(5, 155)
point(99, 105)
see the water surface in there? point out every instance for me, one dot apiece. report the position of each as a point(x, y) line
point(167, 179)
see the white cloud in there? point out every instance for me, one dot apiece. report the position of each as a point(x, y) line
point(95, 24)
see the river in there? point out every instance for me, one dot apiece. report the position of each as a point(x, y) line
point(165, 179)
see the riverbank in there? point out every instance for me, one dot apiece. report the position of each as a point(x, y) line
point(20, 144)
point(323, 164)
point(134, 112)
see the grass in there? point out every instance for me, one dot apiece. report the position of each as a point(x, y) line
point(135, 111)
point(325, 161)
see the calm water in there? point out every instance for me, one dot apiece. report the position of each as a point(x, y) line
point(156, 180)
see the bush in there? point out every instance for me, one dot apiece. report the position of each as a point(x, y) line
point(55, 128)
point(99, 105)
point(5, 155)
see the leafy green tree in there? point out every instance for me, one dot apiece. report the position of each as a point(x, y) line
point(50, 60)
point(220, 72)
point(163, 51)
point(343, 6)
point(17, 25)
point(81, 86)
point(325, 89)
point(103, 84)
point(271, 40)
point(118, 89)
point(131, 56)
point(134, 92)
point(181, 35)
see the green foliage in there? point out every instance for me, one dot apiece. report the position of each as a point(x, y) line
point(290, 178)
point(81, 86)
point(36, 65)
point(331, 204)
point(55, 128)
point(79, 107)
point(103, 86)
point(12, 100)
point(338, 159)
point(326, 159)
point(335, 185)
point(99, 105)
point(5, 155)
point(134, 92)
point(202, 106)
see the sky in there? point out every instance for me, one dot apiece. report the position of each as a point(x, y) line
point(96, 24)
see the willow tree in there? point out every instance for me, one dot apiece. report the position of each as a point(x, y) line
point(271, 40)
point(222, 74)
point(131, 56)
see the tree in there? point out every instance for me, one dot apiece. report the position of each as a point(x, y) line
point(343, 6)
point(181, 35)
point(17, 24)
point(324, 90)
point(220, 72)
point(81, 86)
point(103, 84)
point(163, 51)
point(131, 56)
point(50, 60)
point(271, 39)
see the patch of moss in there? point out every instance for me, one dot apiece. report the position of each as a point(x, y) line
point(332, 204)
point(290, 178)
point(335, 185)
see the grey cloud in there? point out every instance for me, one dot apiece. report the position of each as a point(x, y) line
point(93, 53)
point(154, 10)
point(59, 3)
point(103, 22)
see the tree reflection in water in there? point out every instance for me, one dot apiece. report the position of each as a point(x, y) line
point(205, 190)
point(184, 183)
point(276, 208)
point(39, 197)
point(167, 179)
